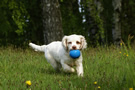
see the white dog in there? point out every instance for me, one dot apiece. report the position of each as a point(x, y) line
point(57, 53)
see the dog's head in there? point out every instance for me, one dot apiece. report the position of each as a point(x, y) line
point(74, 42)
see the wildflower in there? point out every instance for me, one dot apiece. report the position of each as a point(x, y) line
point(127, 55)
point(119, 52)
point(95, 83)
point(59, 82)
point(130, 88)
point(121, 44)
point(28, 83)
point(99, 87)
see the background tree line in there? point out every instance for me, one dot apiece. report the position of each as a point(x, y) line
point(43, 21)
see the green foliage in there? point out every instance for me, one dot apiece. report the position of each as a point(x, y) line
point(18, 23)
point(127, 17)
point(108, 67)
point(71, 17)
point(61, 0)
point(18, 15)
point(107, 16)
point(21, 21)
point(94, 21)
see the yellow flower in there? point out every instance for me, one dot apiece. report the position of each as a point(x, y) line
point(95, 83)
point(119, 52)
point(127, 55)
point(28, 82)
point(121, 44)
point(59, 82)
point(99, 87)
point(130, 88)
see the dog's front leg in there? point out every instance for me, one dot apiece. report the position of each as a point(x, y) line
point(67, 68)
point(79, 69)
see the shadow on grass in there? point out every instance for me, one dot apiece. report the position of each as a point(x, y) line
point(51, 71)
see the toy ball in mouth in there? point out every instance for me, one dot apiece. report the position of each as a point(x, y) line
point(74, 53)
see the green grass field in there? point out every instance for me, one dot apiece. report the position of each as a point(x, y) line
point(111, 68)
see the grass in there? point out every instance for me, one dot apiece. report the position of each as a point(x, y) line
point(111, 68)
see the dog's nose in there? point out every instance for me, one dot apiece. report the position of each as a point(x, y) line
point(74, 47)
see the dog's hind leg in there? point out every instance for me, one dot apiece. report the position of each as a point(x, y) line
point(52, 61)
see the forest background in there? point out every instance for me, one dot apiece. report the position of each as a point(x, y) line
point(102, 22)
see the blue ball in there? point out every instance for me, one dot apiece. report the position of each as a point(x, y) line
point(74, 53)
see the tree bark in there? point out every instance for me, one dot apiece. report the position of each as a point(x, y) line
point(116, 31)
point(52, 21)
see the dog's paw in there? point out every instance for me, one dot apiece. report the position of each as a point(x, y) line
point(72, 70)
point(80, 74)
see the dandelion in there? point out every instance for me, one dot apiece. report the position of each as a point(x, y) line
point(99, 87)
point(130, 88)
point(95, 83)
point(28, 83)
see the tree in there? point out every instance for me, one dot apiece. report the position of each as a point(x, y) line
point(107, 16)
point(52, 21)
point(71, 17)
point(116, 22)
point(94, 23)
point(39, 21)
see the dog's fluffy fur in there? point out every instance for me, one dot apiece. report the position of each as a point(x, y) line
point(57, 53)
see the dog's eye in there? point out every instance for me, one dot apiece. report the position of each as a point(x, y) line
point(77, 42)
point(69, 42)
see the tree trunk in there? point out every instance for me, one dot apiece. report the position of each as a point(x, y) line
point(93, 11)
point(90, 24)
point(52, 21)
point(116, 31)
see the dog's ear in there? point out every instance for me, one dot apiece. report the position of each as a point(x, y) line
point(64, 42)
point(83, 42)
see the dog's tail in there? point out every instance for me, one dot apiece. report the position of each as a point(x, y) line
point(37, 47)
